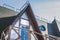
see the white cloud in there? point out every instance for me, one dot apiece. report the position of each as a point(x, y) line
point(47, 10)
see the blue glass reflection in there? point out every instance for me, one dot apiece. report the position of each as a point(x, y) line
point(24, 34)
point(42, 28)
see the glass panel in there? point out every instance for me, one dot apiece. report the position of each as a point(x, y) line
point(42, 28)
point(24, 16)
point(13, 35)
point(32, 34)
point(24, 34)
point(58, 24)
point(32, 37)
point(17, 24)
point(24, 22)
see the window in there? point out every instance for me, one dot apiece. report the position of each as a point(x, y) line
point(24, 34)
point(24, 22)
point(42, 28)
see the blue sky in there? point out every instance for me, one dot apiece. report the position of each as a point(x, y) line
point(47, 9)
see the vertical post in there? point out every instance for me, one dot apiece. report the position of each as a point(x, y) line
point(9, 33)
point(29, 33)
point(19, 25)
point(45, 36)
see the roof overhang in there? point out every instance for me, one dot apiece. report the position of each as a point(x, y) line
point(5, 12)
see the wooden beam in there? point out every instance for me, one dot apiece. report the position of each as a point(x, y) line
point(17, 34)
point(33, 22)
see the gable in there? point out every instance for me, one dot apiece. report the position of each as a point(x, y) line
point(27, 14)
point(31, 19)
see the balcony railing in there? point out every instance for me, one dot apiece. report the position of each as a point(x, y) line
point(46, 37)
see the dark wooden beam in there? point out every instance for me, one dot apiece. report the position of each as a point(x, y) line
point(33, 22)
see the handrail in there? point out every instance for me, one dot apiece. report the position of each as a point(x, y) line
point(48, 36)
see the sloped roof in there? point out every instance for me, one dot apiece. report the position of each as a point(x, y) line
point(5, 12)
point(54, 28)
point(7, 16)
point(5, 22)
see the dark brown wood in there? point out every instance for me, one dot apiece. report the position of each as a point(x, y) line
point(9, 33)
point(33, 22)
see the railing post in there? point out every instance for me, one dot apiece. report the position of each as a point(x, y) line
point(45, 37)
